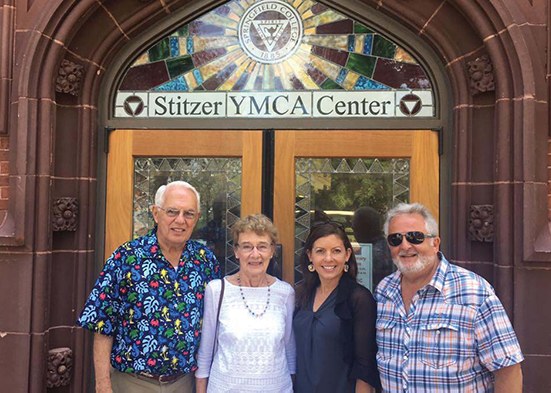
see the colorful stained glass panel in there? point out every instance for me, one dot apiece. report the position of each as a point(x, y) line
point(238, 47)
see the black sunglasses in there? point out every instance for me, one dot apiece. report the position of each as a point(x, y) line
point(414, 237)
point(335, 224)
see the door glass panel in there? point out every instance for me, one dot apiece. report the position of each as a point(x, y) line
point(218, 181)
point(338, 188)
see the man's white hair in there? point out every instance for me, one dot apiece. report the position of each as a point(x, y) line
point(412, 208)
point(160, 195)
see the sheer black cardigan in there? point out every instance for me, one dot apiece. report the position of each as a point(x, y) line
point(357, 310)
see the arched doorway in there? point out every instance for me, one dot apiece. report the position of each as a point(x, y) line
point(493, 146)
point(368, 112)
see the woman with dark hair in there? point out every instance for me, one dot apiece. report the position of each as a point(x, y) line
point(335, 317)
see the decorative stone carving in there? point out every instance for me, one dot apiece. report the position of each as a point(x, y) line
point(69, 78)
point(481, 72)
point(481, 223)
point(65, 213)
point(60, 365)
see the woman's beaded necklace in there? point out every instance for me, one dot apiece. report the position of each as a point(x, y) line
point(254, 314)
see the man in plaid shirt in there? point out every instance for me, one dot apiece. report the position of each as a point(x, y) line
point(440, 328)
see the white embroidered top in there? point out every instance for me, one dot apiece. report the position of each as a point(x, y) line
point(254, 353)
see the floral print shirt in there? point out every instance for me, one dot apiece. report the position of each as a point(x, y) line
point(152, 310)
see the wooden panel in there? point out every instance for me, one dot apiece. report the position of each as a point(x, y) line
point(127, 144)
point(187, 143)
point(424, 175)
point(352, 143)
point(211, 143)
point(119, 204)
point(420, 146)
point(251, 194)
point(284, 199)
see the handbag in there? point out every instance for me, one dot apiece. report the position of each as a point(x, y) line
point(215, 346)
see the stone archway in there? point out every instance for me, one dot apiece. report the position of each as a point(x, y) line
point(62, 55)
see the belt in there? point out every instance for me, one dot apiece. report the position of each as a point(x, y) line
point(162, 378)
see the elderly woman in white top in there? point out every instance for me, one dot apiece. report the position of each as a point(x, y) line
point(255, 346)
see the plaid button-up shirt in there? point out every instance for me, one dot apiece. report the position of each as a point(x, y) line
point(455, 335)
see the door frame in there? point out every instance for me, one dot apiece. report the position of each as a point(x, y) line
point(420, 146)
point(128, 143)
point(415, 145)
point(442, 122)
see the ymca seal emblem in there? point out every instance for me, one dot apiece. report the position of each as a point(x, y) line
point(410, 104)
point(270, 31)
point(133, 106)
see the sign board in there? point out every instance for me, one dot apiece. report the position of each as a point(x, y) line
point(364, 257)
point(313, 104)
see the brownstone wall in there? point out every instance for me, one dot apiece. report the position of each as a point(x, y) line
point(549, 177)
point(4, 172)
point(498, 148)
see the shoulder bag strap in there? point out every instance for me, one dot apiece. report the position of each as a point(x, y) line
point(214, 347)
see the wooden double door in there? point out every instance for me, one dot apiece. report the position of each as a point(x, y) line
point(308, 173)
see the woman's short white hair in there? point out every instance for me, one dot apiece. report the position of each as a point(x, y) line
point(160, 195)
point(412, 208)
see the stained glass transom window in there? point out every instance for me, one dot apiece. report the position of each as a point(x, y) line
point(218, 181)
point(335, 188)
point(272, 46)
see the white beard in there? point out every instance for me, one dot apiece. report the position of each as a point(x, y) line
point(416, 267)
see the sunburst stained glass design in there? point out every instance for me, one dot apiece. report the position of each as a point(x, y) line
point(218, 181)
point(333, 52)
point(334, 188)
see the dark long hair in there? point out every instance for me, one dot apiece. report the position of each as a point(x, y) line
point(305, 290)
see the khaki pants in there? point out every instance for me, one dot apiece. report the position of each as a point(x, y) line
point(132, 383)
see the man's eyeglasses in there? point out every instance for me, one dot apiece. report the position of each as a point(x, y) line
point(414, 237)
point(173, 213)
point(248, 248)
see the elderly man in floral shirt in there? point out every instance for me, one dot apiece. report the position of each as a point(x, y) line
point(147, 304)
